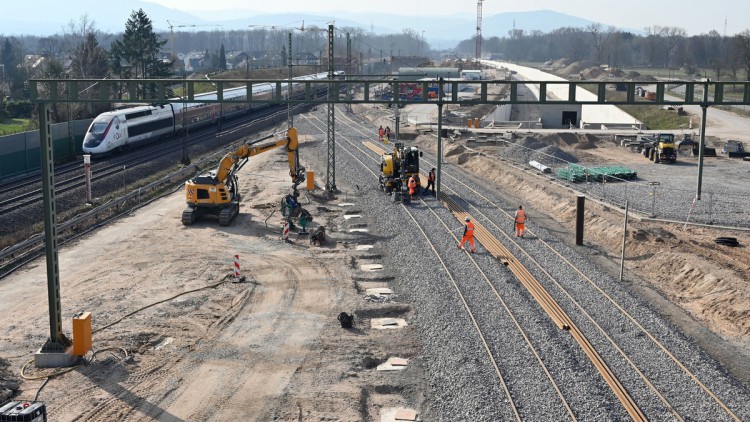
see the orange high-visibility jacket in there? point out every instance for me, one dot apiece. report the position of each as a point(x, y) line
point(520, 216)
point(469, 229)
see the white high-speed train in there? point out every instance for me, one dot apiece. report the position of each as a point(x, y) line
point(119, 129)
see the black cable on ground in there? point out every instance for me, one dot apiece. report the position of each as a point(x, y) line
point(211, 286)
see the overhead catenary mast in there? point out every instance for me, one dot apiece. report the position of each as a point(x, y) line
point(479, 29)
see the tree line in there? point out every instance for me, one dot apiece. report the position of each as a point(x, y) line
point(81, 51)
point(722, 57)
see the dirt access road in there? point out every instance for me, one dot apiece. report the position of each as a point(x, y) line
point(266, 349)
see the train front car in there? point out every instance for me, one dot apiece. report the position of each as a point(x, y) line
point(104, 134)
point(121, 129)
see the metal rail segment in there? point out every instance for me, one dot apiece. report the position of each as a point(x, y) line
point(597, 92)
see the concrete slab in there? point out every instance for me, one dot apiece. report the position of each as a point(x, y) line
point(398, 414)
point(371, 267)
point(364, 247)
point(360, 230)
point(387, 323)
point(350, 216)
point(393, 364)
point(55, 360)
point(346, 204)
point(379, 291)
point(364, 285)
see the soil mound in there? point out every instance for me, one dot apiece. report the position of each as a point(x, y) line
point(455, 151)
point(553, 156)
point(592, 73)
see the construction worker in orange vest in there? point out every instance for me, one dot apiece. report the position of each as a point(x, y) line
point(468, 235)
point(520, 221)
point(381, 132)
point(430, 181)
point(413, 185)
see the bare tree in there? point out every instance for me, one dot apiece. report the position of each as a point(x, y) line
point(654, 41)
point(600, 38)
point(742, 48)
point(672, 36)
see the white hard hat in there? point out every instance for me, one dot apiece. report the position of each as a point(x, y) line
point(467, 219)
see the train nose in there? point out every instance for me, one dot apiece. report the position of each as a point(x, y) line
point(92, 141)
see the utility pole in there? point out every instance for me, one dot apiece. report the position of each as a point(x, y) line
point(331, 169)
point(479, 30)
point(289, 118)
point(349, 69)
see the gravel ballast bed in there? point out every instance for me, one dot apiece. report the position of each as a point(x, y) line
point(447, 333)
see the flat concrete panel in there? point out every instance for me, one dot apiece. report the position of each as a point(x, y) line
point(387, 323)
point(393, 364)
point(371, 267)
point(55, 360)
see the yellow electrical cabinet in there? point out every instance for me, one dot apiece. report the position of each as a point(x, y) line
point(81, 333)
point(310, 180)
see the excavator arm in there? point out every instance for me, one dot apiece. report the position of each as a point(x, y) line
point(233, 161)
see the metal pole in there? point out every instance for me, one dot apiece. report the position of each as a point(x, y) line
point(580, 205)
point(624, 236)
point(87, 170)
point(289, 118)
point(57, 341)
point(702, 145)
point(185, 156)
point(398, 123)
point(332, 95)
point(349, 69)
point(440, 138)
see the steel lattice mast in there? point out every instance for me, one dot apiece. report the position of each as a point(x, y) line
point(331, 169)
point(479, 29)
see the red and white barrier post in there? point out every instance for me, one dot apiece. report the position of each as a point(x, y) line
point(87, 171)
point(285, 232)
point(237, 266)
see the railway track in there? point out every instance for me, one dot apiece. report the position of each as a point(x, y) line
point(70, 176)
point(24, 213)
point(660, 403)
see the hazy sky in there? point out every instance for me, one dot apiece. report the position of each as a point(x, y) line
point(693, 15)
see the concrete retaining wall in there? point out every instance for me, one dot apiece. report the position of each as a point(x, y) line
point(601, 114)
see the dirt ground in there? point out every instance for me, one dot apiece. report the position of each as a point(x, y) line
point(266, 349)
point(699, 285)
point(202, 348)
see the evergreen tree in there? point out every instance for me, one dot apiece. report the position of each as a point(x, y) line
point(222, 58)
point(137, 54)
point(90, 59)
point(11, 56)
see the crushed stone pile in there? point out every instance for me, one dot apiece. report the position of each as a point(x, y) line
point(553, 156)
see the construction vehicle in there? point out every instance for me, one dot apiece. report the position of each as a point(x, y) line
point(216, 192)
point(395, 170)
point(659, 148)
point(733, 146)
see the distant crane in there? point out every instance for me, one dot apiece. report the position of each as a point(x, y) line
point(173, 25)
point(479, 29)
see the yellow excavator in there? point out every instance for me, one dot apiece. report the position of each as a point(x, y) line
point(395, 170)
point(216, 192)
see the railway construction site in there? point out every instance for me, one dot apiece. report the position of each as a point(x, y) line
point(533, 328)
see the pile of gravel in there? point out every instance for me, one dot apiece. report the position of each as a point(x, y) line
point(522, 149)
point(553, 156)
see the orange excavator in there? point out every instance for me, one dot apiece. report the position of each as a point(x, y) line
point(216, 192)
